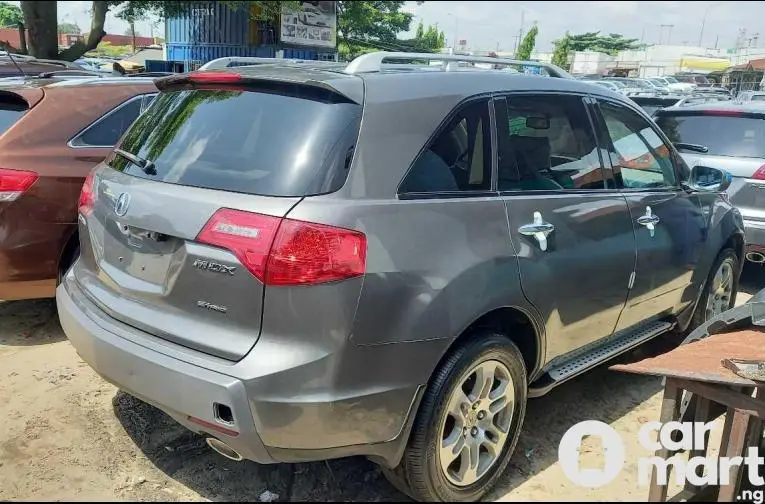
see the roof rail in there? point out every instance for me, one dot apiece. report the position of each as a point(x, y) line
point(247, 61)
point(373, 62)
point(690, 100)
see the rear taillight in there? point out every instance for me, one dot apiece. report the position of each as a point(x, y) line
point(13, 183)
point(760, 173)
point(287, 252)
point(87, 196)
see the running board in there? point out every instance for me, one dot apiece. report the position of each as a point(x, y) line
point(582, 361)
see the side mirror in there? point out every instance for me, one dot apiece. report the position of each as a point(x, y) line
point(708, 179)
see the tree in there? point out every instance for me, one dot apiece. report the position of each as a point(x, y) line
point(40, 17)
point(10, 15)
point(371, 24)
point(425, 40)
point(69, 28)
point(608, 44)
point(560, 51)
point(526, 47)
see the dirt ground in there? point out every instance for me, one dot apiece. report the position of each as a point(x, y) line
point(68, 435)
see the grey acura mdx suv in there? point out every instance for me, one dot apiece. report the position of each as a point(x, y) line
point(310, 261)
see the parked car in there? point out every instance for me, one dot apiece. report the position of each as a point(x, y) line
point(651, 104)
point(728, 135)
point(751, 96)
point(613, 86)
point(22, 65)
point(52, 132)
point(675, 86)
point(658, 89)
point(693, 78)
point(395, 287)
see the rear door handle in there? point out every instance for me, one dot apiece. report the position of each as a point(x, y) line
point(539, 229)
point(649, 220)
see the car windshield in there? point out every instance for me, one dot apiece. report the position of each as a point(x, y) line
point(758, 97)
point(723, 135)
point(618, 84)
point(671, 80)
point(658, 82)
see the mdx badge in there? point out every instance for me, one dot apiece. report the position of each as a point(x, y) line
point(214, 267)
point(122, 204)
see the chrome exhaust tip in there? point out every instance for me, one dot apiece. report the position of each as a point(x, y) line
point(223, 449)
point(755, 257)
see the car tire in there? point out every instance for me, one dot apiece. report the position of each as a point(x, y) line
point(483, 422)
point(730, 257)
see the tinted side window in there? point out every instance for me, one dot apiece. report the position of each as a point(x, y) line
point(546, 143)
point(109, 128)
point(639, 157)
point(459, 158)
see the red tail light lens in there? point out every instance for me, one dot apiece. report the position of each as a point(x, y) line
point(13, 183)
point(246, 235)
point(760, 173)
point(87, 196)
point(285, 251)
point(306, 253)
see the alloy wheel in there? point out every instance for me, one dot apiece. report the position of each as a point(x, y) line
point(477, 423)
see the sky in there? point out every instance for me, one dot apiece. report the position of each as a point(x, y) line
point(487, 25)
point(492, 25)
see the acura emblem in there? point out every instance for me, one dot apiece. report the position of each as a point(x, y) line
point(122, 204)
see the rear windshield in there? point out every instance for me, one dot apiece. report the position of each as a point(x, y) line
point(724, 136)
point(292, 143)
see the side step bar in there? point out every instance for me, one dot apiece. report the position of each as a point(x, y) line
point(582, 361)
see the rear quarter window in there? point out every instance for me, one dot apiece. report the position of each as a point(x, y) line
point(723, 135)
point(12, 108)
point(294, 142)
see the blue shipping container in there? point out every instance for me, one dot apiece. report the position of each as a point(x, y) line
point(209, 23)
point(205, 53)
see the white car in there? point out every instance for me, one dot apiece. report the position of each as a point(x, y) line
point(675, 85)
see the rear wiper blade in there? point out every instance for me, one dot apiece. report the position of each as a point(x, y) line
point(144, 164)
point(692, 147)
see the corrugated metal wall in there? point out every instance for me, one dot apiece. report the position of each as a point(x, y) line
point(210, 30)
point(205, 53)
point(209, 23)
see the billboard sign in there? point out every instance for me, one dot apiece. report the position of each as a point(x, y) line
point(314, 24)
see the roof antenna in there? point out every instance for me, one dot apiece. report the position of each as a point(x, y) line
point(16, 64)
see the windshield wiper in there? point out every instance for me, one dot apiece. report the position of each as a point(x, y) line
point(144, 164)
point(703, 149)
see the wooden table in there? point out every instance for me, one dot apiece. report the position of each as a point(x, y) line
point(696, 368)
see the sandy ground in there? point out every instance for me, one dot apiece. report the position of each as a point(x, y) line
point(68, 435)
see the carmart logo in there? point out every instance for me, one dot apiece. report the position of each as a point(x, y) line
point(697, 470)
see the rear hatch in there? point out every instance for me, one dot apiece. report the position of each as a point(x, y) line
point(179, 225)
point(735, 141)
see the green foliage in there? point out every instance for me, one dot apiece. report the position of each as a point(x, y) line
point(561, 50)
point(10, 15)
point(608, 44)
point(371, 24)
point(526, 47)
point(109, 50)
point(69, 28)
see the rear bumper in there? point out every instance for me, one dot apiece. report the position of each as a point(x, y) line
point(755, 235)
point(276, 416)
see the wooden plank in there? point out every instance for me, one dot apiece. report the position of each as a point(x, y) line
point(739, 434)
point(701, 417)
point(670, 410)
point(725, 396)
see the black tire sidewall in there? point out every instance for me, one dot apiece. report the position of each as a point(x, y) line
point(487, 346)
point(699, 317)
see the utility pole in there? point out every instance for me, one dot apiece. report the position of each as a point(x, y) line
point(132, 33)
point(520, 32)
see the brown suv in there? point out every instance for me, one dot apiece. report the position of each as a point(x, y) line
point(52, 132)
